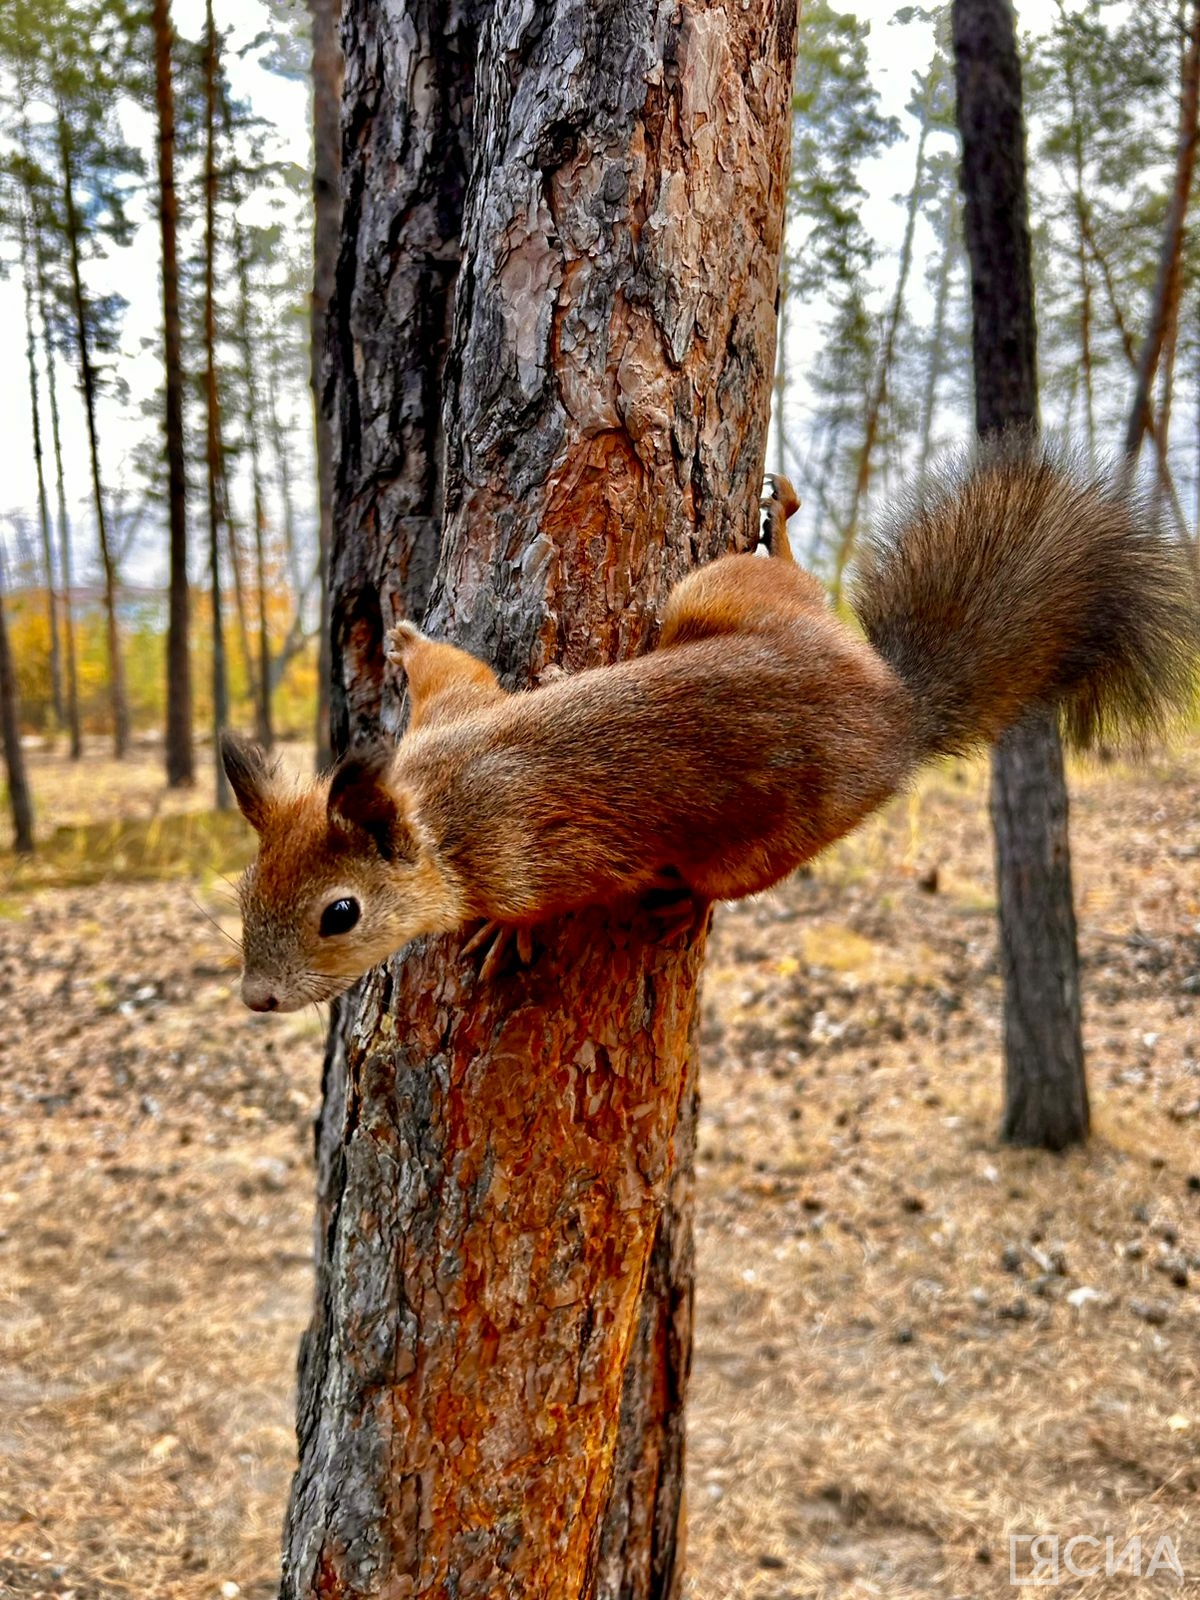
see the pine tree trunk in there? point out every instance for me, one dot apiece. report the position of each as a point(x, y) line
point(35, 408)
point(64, 534)
point(1046, 1092)
point(877, 401)
point(933, 370)
point(118, 700)
point(1079, 204)
point(1167, 285)
point(261, 681)
point(180, 761)
point(491, 1390)
point(214, 462)
point(283, 478)
point(327, 213)
point(19, 801)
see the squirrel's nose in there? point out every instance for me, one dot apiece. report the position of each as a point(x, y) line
point(258, 994)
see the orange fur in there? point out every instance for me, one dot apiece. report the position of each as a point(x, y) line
point(760, 730)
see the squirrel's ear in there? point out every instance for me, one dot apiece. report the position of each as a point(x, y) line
point(359, 795)
point(251, 777)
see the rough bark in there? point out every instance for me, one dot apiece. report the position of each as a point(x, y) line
point(327, 214)
point(504, 1169)
point(19, 802)
point(1046, 1094)
point(179, 757)
point(213, 454)
point(393, 301)
point(1045, 1099)
point(118, 700)
point(1167, 285)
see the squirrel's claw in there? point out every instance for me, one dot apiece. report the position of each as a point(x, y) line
point(498, 937)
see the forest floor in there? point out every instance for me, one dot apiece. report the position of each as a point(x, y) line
point(911, 1342)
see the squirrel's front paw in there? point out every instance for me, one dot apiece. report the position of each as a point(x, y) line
point(399, 639)
point(499, 938)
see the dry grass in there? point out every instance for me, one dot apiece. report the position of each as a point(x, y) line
point(891, 1374)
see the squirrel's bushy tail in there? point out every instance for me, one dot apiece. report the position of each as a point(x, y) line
point(1019, 577)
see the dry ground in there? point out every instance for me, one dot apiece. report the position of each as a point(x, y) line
point(910, 1342)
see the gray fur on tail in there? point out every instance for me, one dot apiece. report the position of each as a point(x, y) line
point(1020, 577)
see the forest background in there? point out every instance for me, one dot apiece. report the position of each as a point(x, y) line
point(874, 371)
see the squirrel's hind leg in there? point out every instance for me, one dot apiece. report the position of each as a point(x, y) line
point(776, 508)
point(444, 682)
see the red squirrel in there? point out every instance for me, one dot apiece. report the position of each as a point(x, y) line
point(759, 729)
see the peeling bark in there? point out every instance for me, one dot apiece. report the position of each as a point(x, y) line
point(491, 1390)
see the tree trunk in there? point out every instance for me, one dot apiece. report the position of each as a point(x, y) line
point(116, 668)
point(283, 477)
point(933, 371)
point(213, 454)
point(179, 757)
point(327, 215)
point(14, 757)
point(56, 684)
point(491, 1390)
point(1046, 1092)
point(1167, 285)
point(1080, 207)
point(64, 532)
point(877, 402)
point(261, 681)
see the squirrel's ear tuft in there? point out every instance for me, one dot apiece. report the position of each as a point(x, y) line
point(360, 797)
point(252, 777)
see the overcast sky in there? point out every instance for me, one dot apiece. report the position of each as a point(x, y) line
point(896, 52)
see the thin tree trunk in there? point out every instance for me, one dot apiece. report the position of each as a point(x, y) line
point(214, 461)
point(283, 473)
point(64, 531)
point(1045, 1087)
point(327, 212)
point(262, 682)
point(781, 384)
point(933, 370)
point(35, 408)
point(1079, 205)
point(491, 1391)
point(180, 760)
point(19, 800)
point(116, 668)
point(1164, 302)
point(1166, 477)
point(887, 353)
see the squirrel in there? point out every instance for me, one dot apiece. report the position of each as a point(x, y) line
point(759, 729)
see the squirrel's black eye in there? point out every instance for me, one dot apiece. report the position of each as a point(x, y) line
point(339, 916)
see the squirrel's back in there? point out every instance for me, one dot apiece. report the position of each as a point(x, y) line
point(1021, 578)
